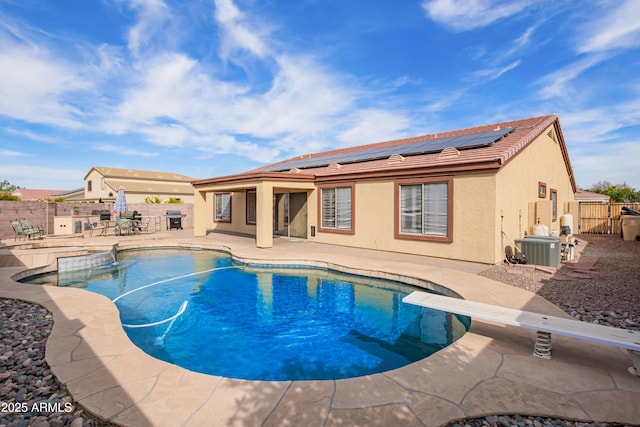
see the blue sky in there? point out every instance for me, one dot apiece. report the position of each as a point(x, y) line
point(213, 87)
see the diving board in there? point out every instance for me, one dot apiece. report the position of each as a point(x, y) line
point(544, 324)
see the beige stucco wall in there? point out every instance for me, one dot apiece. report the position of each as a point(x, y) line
point(473, 221)
point(100, 190)
point(517, 203)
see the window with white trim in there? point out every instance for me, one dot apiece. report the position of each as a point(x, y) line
point(223, 207)
point(424, 209)
point(336, 208)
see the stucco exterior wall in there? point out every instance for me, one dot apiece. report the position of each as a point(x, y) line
point(473, 221)
point(518, 205)
point(100, 190)
point(238, 222)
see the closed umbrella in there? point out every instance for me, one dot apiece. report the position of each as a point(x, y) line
point(121, 201)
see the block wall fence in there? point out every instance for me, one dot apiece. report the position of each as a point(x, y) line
point(42, 213)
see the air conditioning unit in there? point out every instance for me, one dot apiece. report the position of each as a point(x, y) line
point(541, 250)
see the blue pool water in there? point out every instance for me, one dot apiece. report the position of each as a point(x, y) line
point(199, 310)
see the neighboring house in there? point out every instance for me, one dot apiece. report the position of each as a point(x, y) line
point(589, 196)
point(464, 194)
point(102, 183)
point(26, 194)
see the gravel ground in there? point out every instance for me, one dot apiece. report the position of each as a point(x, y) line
point(609, 294)
point(29, 393)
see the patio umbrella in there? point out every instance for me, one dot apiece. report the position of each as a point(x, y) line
point(121, 201)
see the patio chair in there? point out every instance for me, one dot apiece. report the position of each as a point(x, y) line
point(29, 230)
point(94, 226)
point(18, 231)
point(143, 225)
point(123, 226)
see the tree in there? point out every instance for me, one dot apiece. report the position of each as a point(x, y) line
point(618, 193)
point(600, 186)
point(6, 188)
point(152, 200)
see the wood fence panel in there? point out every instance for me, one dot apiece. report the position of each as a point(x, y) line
point(594, 218)
point(600, 218)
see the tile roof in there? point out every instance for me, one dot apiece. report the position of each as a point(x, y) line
point(139, 174)
point(583, 195)
point(177, 188)
point(35, 194)
point(448, 160)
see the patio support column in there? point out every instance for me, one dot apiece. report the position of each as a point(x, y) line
point(264, 215)
point(200, 214)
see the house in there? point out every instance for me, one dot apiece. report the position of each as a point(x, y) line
point(30, 194)
point(465, 194)
point(102, 183)
point(590, 197)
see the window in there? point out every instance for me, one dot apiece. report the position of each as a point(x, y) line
point(223, 207)
point(336, 209)
point(542, 190)
point(89, 185)
point(554, 204)
point(251, 206)
point(424, 210)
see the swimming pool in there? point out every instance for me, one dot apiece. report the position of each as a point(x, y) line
point(202, 311)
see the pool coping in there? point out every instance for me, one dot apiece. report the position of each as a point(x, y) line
point(490, 370)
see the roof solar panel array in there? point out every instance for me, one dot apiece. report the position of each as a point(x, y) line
point(474, 140)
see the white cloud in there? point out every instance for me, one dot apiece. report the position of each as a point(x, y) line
point(464, 15)
point(10, 153)
point(34, 85)
point(153, 15)
point(607, 162)
point(126, 151)
point(31, 135)
point(237, 32)
point(493, 73)
point(302, 99)
point(521, 42)
point(371, 126)
point(211, 145)
point(617, 29)
point(164, 90)
point(558, 83)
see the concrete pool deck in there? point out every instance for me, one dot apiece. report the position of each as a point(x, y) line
point(490, 370)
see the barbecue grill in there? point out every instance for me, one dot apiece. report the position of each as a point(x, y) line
point(174, 219)
point(104, 215)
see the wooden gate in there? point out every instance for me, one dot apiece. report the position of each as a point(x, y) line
point(601, 218)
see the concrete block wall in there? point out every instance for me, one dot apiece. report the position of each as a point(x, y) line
point(43, 213)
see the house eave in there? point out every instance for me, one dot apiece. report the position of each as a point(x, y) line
point(254, 176)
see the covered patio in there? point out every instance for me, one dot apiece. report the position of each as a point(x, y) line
point(260, 205)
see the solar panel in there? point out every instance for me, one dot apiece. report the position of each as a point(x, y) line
point(461, 142)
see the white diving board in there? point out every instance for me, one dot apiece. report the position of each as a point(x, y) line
point(544, 324)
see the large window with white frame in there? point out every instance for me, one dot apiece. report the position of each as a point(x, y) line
point(336, 209)
point(222, 207)
point(424, 209)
